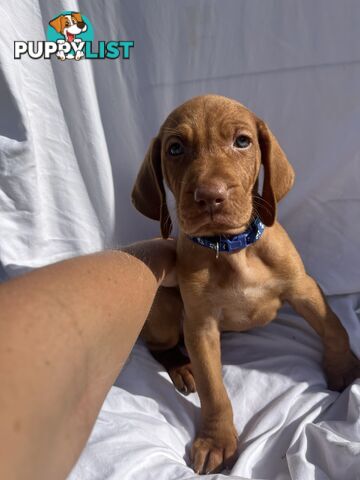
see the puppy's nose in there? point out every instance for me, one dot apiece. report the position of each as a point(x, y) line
point(81, 24)
point(210, 196)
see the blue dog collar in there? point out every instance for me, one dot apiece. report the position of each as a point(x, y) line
point(232, 243)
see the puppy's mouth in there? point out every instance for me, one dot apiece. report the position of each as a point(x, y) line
point(70, 36)
point(212, 223)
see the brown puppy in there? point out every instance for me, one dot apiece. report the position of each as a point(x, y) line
point(209, 152)
point(69, 25)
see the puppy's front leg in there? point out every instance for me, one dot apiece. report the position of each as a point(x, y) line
point(215, 445)
point(340, 364)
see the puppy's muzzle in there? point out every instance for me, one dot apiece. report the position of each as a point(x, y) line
point(211, 197)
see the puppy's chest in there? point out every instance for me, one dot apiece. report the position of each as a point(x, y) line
point(237, 292)
point(246, 300)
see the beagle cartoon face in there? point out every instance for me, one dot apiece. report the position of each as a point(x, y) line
point(69, 25)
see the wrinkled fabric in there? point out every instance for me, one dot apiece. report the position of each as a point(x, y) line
point(290, 425)
point(72, 137)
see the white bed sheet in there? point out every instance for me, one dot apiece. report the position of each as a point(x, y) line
point(72, 136)
point(291, 426)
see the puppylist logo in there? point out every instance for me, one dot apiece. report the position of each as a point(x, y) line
point(70, 36)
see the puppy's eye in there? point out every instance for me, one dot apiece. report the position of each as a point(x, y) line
point(175, 149)
point(242, 141)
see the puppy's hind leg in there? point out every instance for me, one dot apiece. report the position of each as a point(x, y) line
point(162, 334)
point(341, 366)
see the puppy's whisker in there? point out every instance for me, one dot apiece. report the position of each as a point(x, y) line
point(259, 197)
point(258, 204)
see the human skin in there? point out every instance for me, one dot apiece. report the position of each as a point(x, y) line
point(66, 330)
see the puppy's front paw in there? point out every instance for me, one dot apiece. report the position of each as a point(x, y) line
point(341, 369)
point(213, 452)
point(61, 56)
point(79, 55)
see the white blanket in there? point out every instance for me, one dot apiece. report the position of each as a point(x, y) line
point(290, 424)
point(72, 136)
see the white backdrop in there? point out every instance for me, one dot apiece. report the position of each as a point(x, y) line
point(73, 134)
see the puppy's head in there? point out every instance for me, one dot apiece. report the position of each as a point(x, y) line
point(209, 151)
point(69, 25)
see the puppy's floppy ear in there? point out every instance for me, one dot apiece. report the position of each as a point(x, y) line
point(278, 173)
point(57, 23)
point(148, 193)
